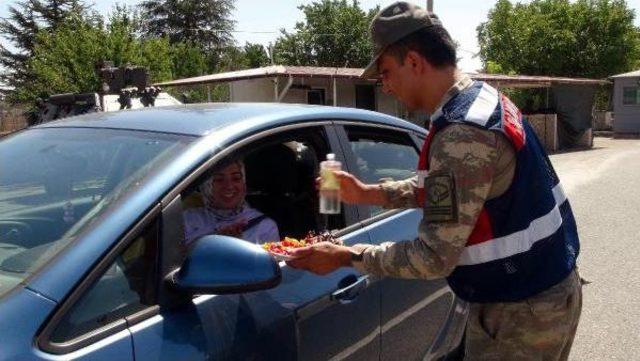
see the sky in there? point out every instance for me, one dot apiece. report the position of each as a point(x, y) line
point(260, 21)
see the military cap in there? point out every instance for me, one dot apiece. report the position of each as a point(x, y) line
point(392, 24)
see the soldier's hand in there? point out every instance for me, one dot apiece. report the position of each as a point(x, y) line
point(320, 258)
point(352, 190)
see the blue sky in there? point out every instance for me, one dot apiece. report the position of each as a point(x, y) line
point(259, 21)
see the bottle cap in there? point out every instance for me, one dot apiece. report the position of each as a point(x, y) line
point(331, 156)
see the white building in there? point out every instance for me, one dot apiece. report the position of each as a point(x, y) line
point(344, 87)
point(626, 104)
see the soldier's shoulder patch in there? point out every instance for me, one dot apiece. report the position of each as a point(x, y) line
point(440, 198)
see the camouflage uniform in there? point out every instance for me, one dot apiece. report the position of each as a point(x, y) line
point(482, 164)
point(541, 327)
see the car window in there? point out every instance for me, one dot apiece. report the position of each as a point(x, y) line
point(74, 175)
point(127, 286)
point(382, 155)
point(279, 189)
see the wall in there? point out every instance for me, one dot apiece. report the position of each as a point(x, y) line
point(546, 128)
point(626, 118)
point(386, 103)
point(12, 118)
point(603, 120)
point(262, 90)
point(252, 90)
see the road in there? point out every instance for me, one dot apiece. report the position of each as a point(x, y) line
point(603, 186)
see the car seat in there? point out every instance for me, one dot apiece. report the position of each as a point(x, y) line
point(273, 187)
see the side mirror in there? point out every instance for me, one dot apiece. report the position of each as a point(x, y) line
point(221, 264)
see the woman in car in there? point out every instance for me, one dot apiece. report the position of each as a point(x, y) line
point(225, 210)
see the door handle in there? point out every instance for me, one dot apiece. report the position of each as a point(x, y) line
point(355, 286)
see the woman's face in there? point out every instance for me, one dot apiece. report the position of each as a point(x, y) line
point(227, 187)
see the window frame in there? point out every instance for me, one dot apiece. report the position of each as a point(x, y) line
point(352, 219)
point(636, 89)
point(360, 87)
point(44, 337)
point(316, 89)
point(279, 135)
point(416, 139)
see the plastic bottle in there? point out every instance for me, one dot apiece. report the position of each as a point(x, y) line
point(329, 185)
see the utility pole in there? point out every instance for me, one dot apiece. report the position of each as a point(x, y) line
point(430, 6)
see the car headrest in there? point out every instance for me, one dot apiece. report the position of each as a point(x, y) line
point(272, 170)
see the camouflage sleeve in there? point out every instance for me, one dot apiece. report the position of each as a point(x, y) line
point(465, 158)
point(400, 194)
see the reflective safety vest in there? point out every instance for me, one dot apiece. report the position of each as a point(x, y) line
point(525, 240)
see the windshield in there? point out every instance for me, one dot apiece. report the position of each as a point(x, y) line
point(56, 181)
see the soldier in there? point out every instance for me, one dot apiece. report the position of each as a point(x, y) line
point(496, 222)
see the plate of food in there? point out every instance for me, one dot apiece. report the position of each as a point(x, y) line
point(281, 251)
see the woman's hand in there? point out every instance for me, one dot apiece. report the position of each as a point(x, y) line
point(233, 230)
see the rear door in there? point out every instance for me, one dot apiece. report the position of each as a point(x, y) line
point(412, 311)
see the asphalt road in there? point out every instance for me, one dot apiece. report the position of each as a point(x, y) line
point(603, 186)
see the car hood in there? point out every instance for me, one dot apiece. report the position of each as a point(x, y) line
point(22, 312)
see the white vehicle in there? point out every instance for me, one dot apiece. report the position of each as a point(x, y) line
point(122, 88)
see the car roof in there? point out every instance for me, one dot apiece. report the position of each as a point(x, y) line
point(203, 119)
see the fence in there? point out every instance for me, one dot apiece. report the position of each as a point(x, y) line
point(12, 118)
point(546, 128)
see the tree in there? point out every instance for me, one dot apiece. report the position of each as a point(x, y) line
point(255, 55)
point(25, 20)
point(187, 60)
point(248, 56)
point(61, 64)
point(205, 23)
point(585, 38)
point(334, 33)
point(123, 45)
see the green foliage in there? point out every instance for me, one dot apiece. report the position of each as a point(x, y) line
point(62, 64)
point(60, 42)
point(190, 61)
point(157, 56)
point(583, 38)
point(121, 45)
point(201, 42)
point(205, 23)
point(334, 33)
point(187, 61)
point(246, 57)
point(26, 19)
point(255, 55)
point(491, 67)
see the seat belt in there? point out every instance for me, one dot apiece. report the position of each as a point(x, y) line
point(253, 222)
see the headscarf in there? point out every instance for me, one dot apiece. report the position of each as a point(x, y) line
point(206, 188)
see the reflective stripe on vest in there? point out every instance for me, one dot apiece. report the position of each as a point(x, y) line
point(518, 242)
point(481, 246)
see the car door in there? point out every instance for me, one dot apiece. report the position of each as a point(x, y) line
point(413, 312)
point(306, 317)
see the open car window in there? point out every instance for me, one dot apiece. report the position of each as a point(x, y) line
point(280, 173)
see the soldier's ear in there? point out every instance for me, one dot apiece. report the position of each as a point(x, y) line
point(415, 61)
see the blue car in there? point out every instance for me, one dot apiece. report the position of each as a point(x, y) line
point(93, 262)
